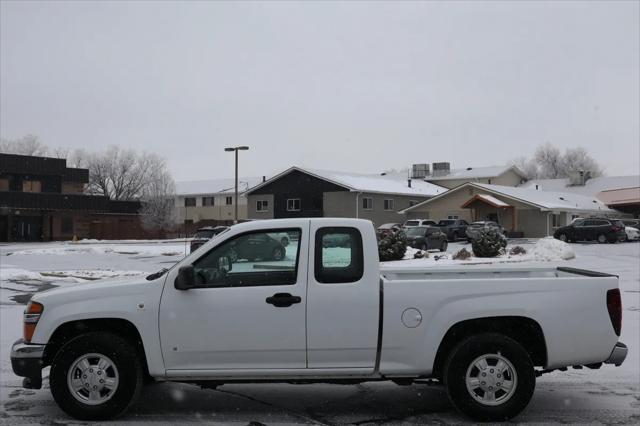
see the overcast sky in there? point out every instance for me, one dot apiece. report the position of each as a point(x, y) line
point(342, 86)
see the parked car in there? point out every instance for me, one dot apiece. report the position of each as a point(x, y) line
point(427, 238)
point(474, 229)
point(283, 237)
point(453, 228)
point(204, 234)
point(634, 223)
point(462, 325)
point(632, 234)
point(386, 229)
point(256, 246)
point(418, 222)
point(592, 229)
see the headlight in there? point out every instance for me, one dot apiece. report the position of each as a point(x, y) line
point(31, 317)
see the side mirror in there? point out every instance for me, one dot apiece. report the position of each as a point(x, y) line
point(185, 279)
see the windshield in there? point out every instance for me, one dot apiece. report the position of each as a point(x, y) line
point(446, 222)
point(416, 231)
point(411, 223)
point(204, 234)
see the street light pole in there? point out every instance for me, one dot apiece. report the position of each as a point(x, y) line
point(236, 149)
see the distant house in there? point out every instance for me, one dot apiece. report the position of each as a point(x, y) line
point(618, 192)
point(521, 211)
point(42, 199)
point(211, 202)
point(494, 175)
point(301, 192)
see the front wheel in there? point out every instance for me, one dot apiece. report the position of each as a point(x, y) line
point(489, 377)
point(602, 238)
point(444, 246)
point(96, 376)
point(563, 237)
point(284, 241)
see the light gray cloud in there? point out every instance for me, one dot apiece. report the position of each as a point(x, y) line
point(348, 86)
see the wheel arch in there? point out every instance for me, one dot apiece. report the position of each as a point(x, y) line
point(523, 330)
point(119, 326)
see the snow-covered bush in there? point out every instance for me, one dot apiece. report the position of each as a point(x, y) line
point(392, 246)
point(488, 243)
point(462, 254)
point(517, 250)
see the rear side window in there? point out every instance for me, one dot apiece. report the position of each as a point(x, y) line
point(338, 255)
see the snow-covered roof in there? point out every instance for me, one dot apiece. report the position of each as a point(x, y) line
point(476, 173)
point(591, 187)
point(372, 183)
point(545, 200)
point(492, 200)
point(215, 186)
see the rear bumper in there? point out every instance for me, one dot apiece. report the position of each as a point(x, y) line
point(618, 354)
point(26, 361)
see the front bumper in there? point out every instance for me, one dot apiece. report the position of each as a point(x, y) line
point(618, 354)
point(26, 361)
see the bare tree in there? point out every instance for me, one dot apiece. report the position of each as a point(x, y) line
point(577, 159)
point(549, 161)
point(528, 166)
point(158, 210)
point(26, 145)
point(123, 174)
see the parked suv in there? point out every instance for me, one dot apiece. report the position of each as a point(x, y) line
point(427, 238)
point(204, 234)
point(418, 222)
point(453, 228)
point(592, 229)
point(475, 228)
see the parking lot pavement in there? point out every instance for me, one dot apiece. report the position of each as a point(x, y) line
point(606, 396)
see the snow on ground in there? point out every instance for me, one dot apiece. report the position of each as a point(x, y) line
point(605, 396)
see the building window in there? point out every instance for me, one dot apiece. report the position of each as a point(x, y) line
point(31, 186)
point(229, 201)
point(293, 205)
point(262, 205)
point(413, 203)
point(389, 204)
point(208, 201)
point(453, 216)
point(66, 225)
point(367, 203)
point(555, 220)
point(190, 202)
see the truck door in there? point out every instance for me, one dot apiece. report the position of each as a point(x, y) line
point(343, 296)
point(250, 317)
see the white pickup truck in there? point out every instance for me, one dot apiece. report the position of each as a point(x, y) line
point(325, 312)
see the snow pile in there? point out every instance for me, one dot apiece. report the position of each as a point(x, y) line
point(11, 274)
point(92, 274)
point(131, 249)
point(550, 249)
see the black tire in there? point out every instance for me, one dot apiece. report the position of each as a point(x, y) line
point(454, 237)
point(601, 238)
point(278, 253)
point(460, 362)
point(424, 247)
point(444, 246)
point(563, 237)
point(129, 368)
point(284, 241)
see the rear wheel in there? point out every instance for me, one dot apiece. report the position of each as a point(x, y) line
point(602, 238)
point(454, 237)
point(96, 376)
point(489, 377)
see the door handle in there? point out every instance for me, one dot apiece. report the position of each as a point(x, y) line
point(283, 300)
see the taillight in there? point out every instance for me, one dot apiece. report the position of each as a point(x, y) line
point(31, 317)
point(615, 228)
point(614, 306)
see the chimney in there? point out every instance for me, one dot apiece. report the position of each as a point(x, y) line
point(264, 178)
point(409, 182)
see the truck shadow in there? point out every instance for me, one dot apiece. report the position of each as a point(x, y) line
point(372, 403)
